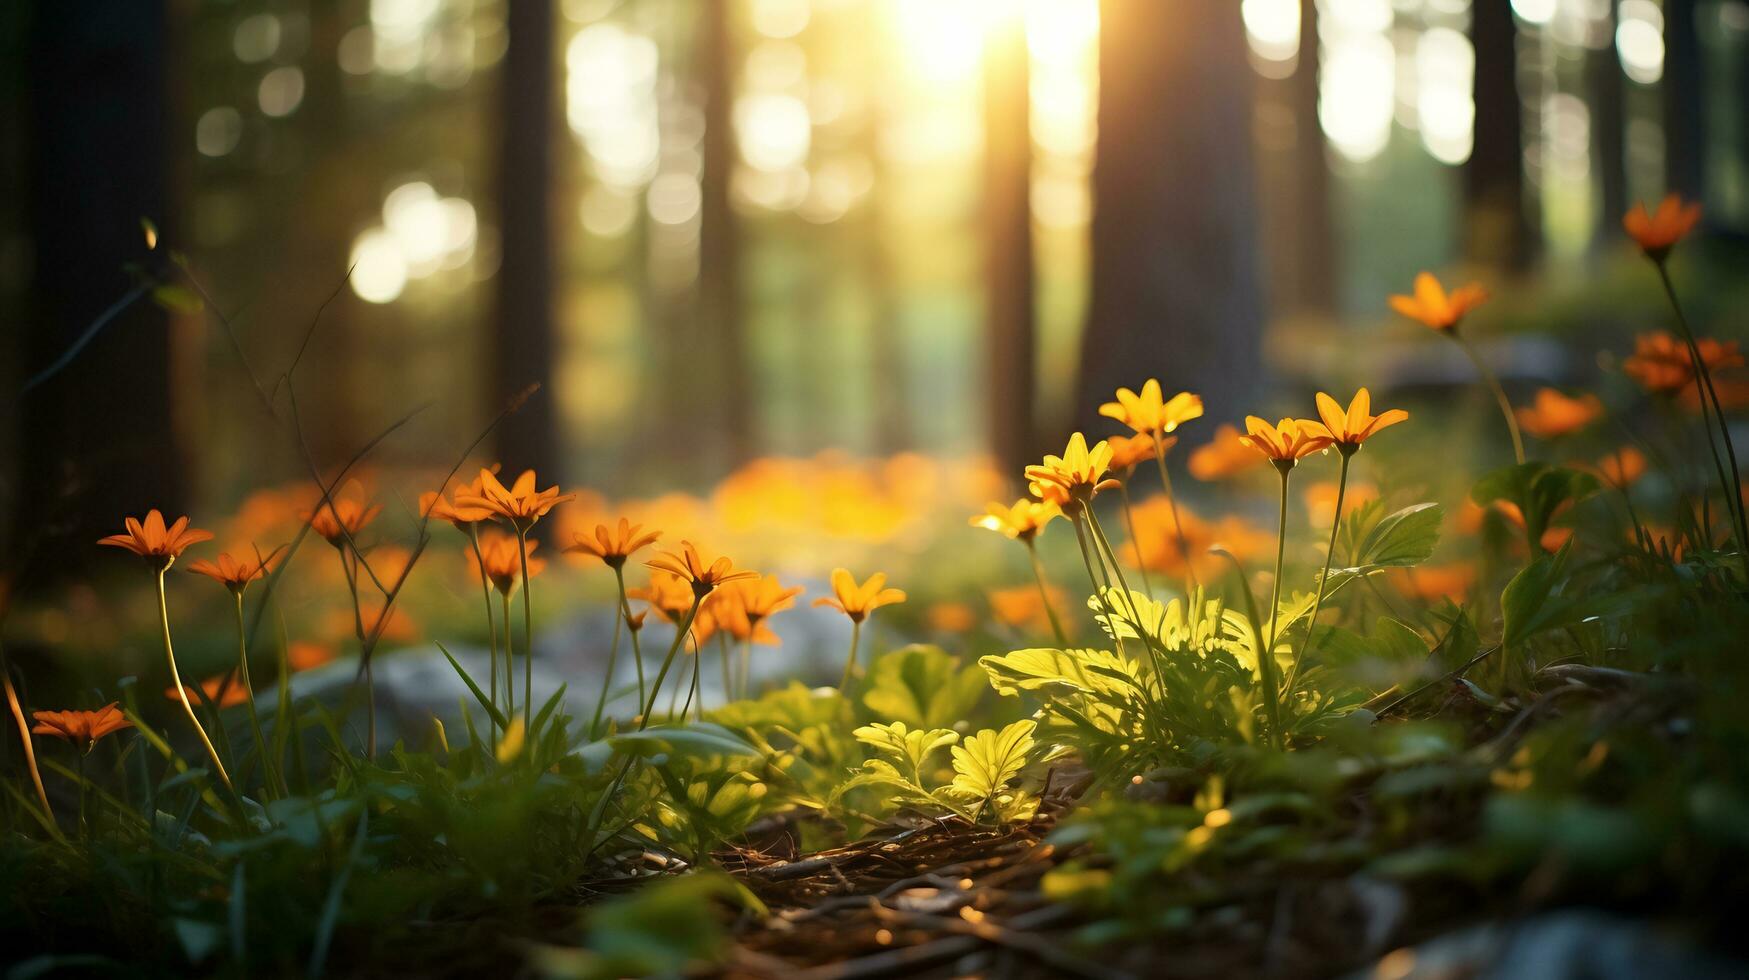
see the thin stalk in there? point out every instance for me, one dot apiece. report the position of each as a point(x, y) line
point(1044, 592)
point(527, 632)
point(1129, 516)
point(747, 663)
point(728, 670)
point(1124, 587)
point(612, 661)
point(370, 690)
point(1098, 592)
point(249, 692)
point(182, 692)
point(36, 777)
point(1177, 525)
point(1280, 556)
point(1323, 578)
point(850, 665)
point(1733, 485)
point(1493, 384)
point(680, 634)
point(625, 610)
point(84, 828)
point(491, 627)
point(509, 662)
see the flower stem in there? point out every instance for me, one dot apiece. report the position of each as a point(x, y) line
point(625, 611)
point(1129, 516)
point(1098, 591)
point(1324, 578)
point(1505, 403)
point(182, 692)
point(491, 627)
point(509, 662)
point(728, 670)
point(1280, 556)
point(850, 665)
point(1044, 593)
point(249, 692)
point(527, 632)
point(1733, 485)
point(370, 690)
point(607, 682)
point(1177, 525)
point(746, 665)
point(36, 776)
point(680, 634)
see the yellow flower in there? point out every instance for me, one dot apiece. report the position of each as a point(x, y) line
point(1073, 478)
point(521, 504)
point(1287, 442)
point(1126, 452)
point(1022, 522)
point(1351, 428)
point(1432, 306)
point(1659, 231)
point(1148, 413)
point(1554, 414)
point(857, 601)
point(704, 576)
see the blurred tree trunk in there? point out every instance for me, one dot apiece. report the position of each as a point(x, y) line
point(1008, 274)
point(1177, 288)
point(1684, 109)
point(1497, 229)
point(524, 328)
point(1609, 126)
point(721, 341)
point(97, 440)
point(1314, 234)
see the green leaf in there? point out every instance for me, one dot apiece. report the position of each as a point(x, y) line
point(1059, 671)
point(698, 739)
point(479, 695)
point(1537, 490)
point(922, 686)
point(914, 746)
point(1400, 539)
point(985, 763)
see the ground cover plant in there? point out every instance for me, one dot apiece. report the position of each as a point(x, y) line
point(1298, 738)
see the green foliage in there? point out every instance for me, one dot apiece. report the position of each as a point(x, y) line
point(1374, 540)
point(922, 686)
point(985, 767)
point(1538, 490)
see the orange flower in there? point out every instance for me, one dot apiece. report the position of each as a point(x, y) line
point(1351, 428)
point(231, 573)
point(522, 505)
point(81, 726)
point(1158, 544)
point(1226, 454)
point(614, 545)
point(1553, 536)
point(1321, 499)
point(1432, 306)
point(1554, 414)
point(952, 617)
point(303, 655)
point(1286, 443)
point(1022, 522)
point(1022, 607)
point(1127, 451)
point(225, 691)
point(463, 515)
point(1148, 413)
point(498, 552)
point(343, 515)
point(1659, 231)
point(1072, 479)
point(742, 607)
point(1434, 582)
point(703, 575)
point(857, 601)
point(1663, 366)
point(1623, 467)
point(671, 596)
point(150, 539)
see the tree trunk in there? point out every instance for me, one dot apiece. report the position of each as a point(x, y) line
point(1177, 291)
point(1684, 109)
point(523, 332)
point(1008, 273)
point(1314, 234)
point(1497, 230)
point(723, 343)
point(1609, 127)
point(96, 440)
